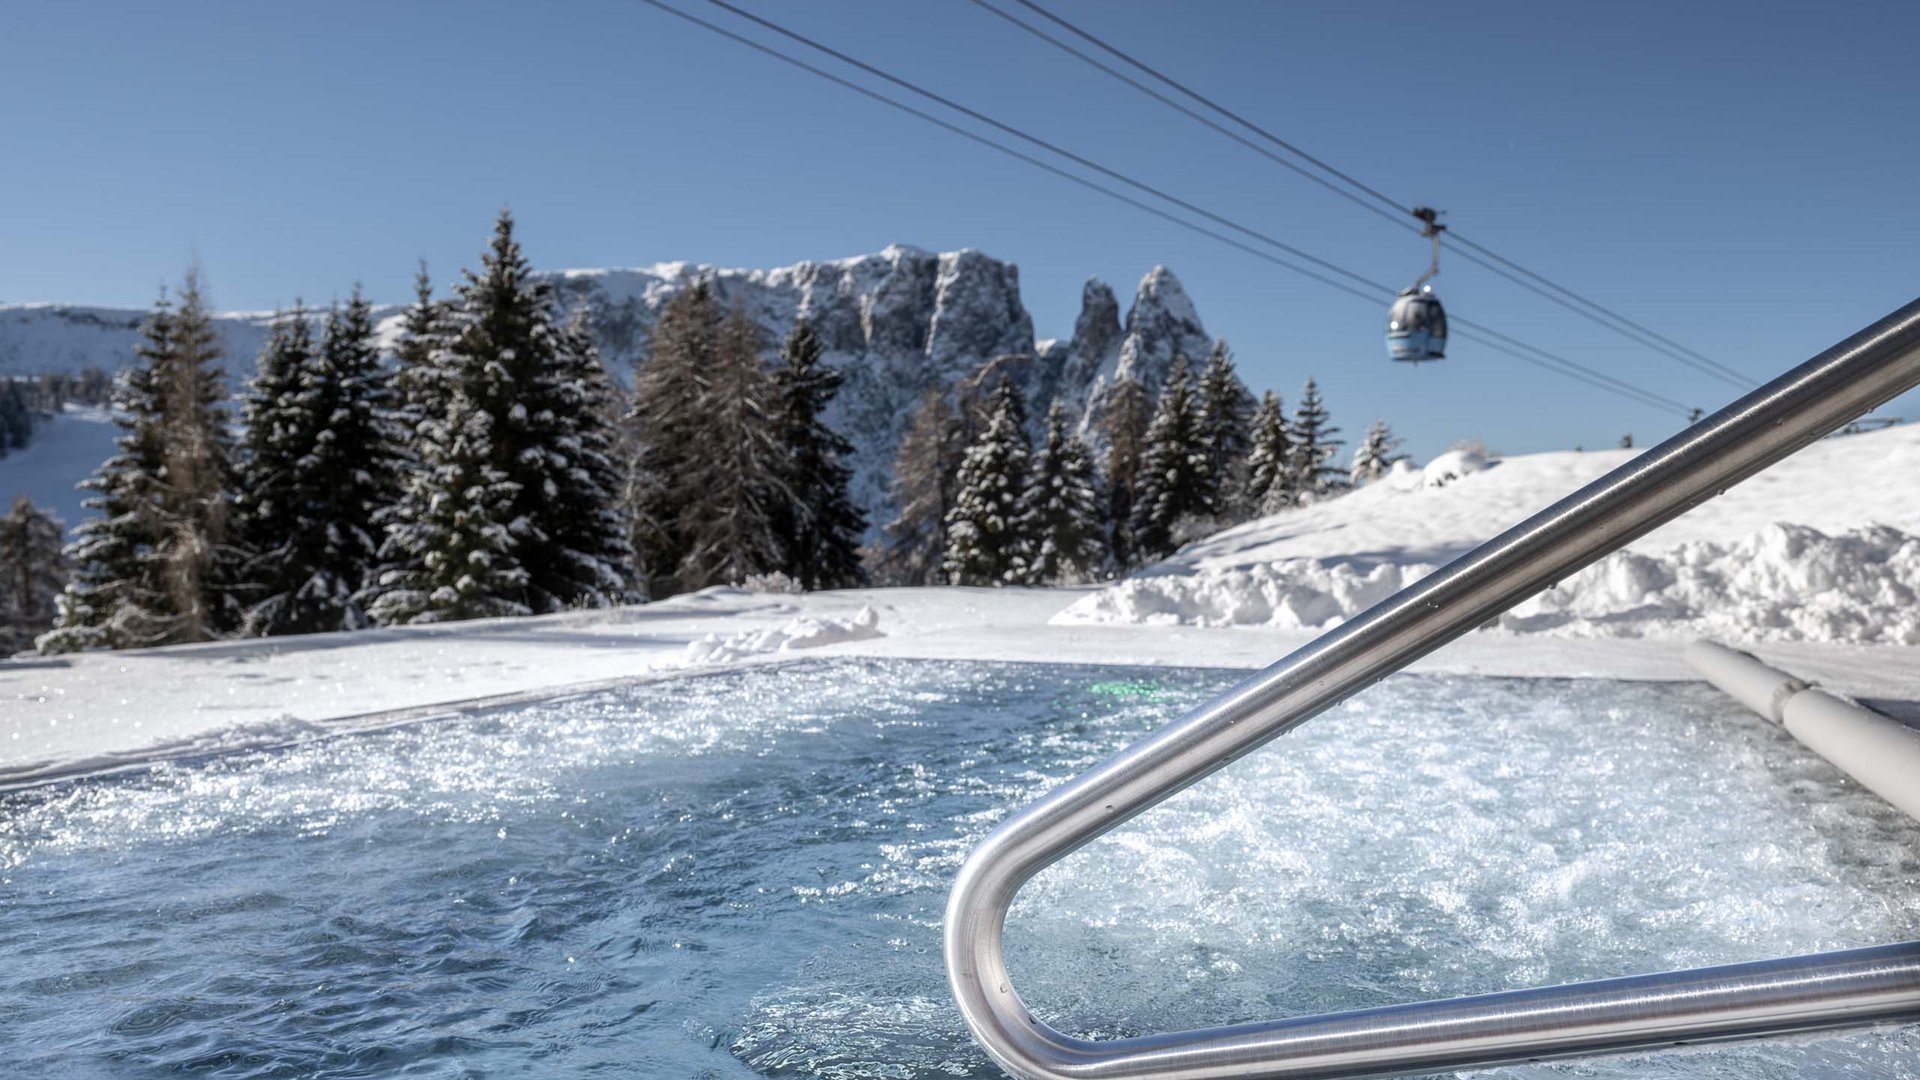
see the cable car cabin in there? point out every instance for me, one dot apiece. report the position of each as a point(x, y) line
point(1417, 327)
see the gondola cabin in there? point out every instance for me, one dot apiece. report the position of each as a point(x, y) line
point(1417, 327)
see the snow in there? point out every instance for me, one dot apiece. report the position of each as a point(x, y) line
point(805, 632)
point(1792, 555)
point(1789, 564)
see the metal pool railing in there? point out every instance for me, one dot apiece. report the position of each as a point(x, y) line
point(1737, 1001)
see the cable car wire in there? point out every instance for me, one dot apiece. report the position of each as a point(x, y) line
point(1372, 292)
point(1478, 254)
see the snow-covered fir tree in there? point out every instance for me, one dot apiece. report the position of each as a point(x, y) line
point(734, 487)
point(449, 553)
point(157, 566)
point(415, 378)
point(1061, 511)
point(1226, 418)
point(507, 409)
point(819, 524)
point(1126, 413)
point(504, 340)
point(321, 464)
point(1314, 446)
point(1177, 486)
point(589, 522)
point(115, 599)
point(665, 425)
point(924, 472)
point(33, 571)
point(1270, 474)
point(270, 510)
point(1375, 454)
point(986, 544)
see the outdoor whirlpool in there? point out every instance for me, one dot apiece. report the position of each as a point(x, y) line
point(743, 874)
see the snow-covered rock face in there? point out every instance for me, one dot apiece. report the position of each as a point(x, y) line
point(1161, 325)
point(895, 322)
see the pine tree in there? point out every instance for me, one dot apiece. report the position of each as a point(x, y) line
point(33, 571)
point(157, 567)
point(1270, 477)
point(1314, 446)
point(1061, 509)
point(271, 515)
point(1177, 485)
point(1126, 413)
point(1226, 417)
point(665, 422)
point(116, 599)
point(923, 485)
point(512, 411)
point(416, 389)
point(734, 486)
point(321, 465)
point(985, 541)
point(590, 523)
point(819, 525)
point(1375, 454)
point(449, 552)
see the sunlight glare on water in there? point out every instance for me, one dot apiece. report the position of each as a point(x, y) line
point(743, 874)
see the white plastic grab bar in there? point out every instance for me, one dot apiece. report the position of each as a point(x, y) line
point(1861, 986)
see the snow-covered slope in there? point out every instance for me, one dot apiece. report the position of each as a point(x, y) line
point(1824, 546)
point(896, 322)
point(63, 452)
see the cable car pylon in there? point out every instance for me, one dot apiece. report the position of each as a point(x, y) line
point(1417, 324)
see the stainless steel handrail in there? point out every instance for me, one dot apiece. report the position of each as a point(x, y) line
point(1862, 986)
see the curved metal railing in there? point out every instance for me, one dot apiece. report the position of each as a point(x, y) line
point(1840, 989)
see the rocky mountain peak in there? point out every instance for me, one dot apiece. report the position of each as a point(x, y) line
point(1161, 325)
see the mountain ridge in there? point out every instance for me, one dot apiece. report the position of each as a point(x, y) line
point(896, 322)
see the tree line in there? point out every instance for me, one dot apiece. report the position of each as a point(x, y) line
point(980, 506)
point(489, 466)
point(492, 469)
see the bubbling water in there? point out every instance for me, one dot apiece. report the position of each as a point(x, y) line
point(744, 874)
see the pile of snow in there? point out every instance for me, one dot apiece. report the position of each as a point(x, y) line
point(1784, 583)
point(1287, 594)
point(1818, 548)
point(805, 632)
point(1453, 465)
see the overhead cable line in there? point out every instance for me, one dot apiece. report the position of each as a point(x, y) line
point(1370, 291)
point(1359, 192)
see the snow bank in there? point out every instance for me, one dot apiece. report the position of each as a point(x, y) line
point(1783, 583)
point(1288, 594)
point(805, 632)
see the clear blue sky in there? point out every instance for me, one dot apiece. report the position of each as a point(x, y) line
point(1740, 176)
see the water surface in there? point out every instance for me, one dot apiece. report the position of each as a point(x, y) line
point(743, 875)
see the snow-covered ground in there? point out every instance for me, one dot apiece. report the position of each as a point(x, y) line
point(94, 711)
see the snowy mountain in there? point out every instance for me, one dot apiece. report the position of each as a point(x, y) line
point(896, 322)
